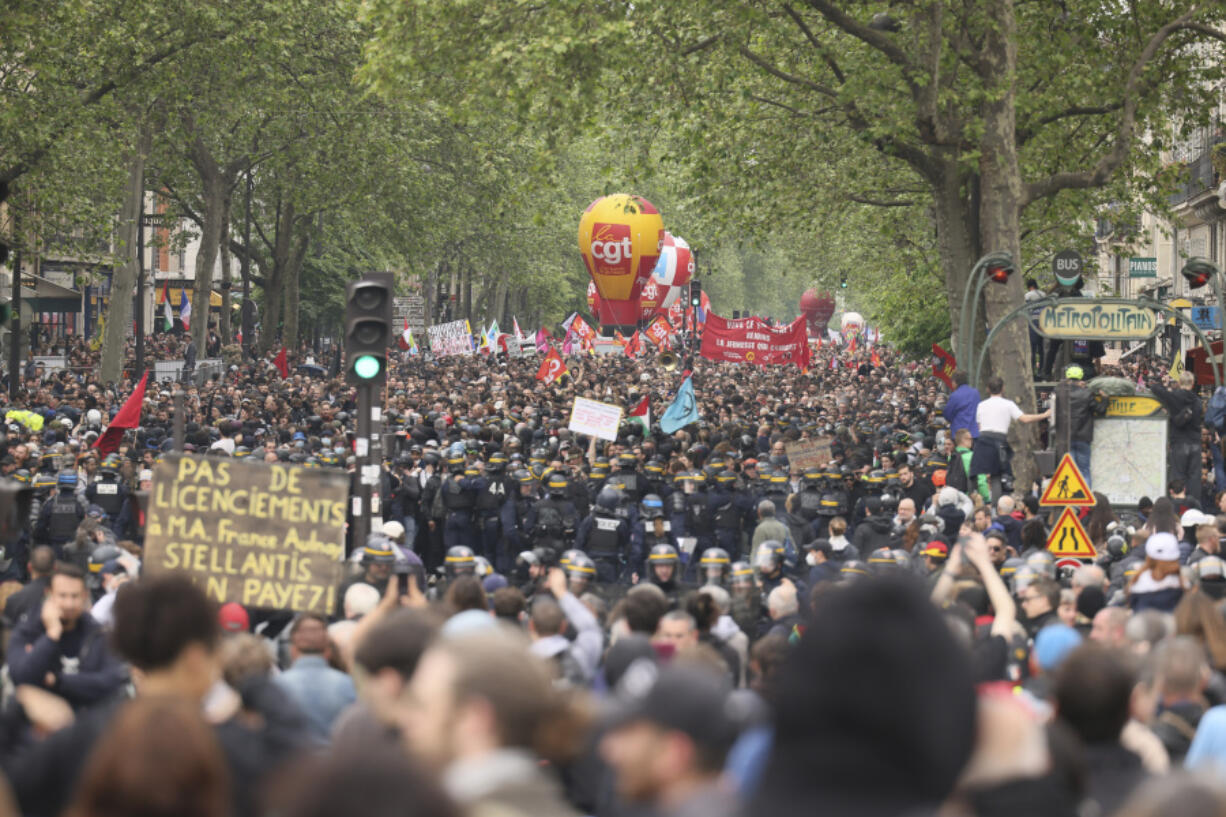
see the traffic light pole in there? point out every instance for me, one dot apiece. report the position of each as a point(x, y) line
point(361, 510)
point(15, 328)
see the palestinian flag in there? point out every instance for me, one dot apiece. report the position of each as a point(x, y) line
point(168, 321)
point(642, 414)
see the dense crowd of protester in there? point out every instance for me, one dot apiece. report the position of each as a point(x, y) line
point(675, 624)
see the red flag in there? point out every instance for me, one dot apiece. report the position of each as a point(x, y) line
point(282, 363)
point(852, 347)
point(552, 367)
point(943, 365)
point(874, 358)
point(403, 340)
point(128, 417)
point(634, 346)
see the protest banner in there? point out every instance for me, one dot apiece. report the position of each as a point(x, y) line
point(265, 536)
point(760, 345)
point(804, 454)
point(595, 419)
point(448, 339)
point(659, 331)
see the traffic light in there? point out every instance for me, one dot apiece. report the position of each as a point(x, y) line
point(1198, 271)
point(695, 294)
point(368, 330)
point(843, 281)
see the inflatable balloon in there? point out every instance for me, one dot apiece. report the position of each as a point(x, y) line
point(620, 238)
point(852, 321)
point(817, 309)
point(671, 296)
point(808, 303)
point(676, 263)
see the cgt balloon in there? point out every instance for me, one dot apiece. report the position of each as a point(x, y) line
point(620, 237)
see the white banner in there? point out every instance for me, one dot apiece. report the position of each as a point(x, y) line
point(450, 339)
point(595, 419)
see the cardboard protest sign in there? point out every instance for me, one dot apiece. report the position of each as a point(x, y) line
point(809, 453)
point(268, 536)
point(595, 419)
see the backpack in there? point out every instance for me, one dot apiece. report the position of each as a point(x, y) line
point(955, 474)
point(1215, 412)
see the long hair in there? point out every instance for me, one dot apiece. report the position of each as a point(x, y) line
point(1197, 616)
point(1158, 570)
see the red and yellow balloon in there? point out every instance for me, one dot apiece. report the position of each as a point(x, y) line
point(619, 238)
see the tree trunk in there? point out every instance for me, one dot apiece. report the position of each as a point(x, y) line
point(213, 193)
point(293, 272)
point(999, 228)
point(119, 311)
point(223, 325)
point(957, 244)
point(274, 286)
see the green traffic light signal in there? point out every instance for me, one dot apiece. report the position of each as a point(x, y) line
point(367, 367)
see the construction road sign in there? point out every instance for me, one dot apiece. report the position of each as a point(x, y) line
point(1068, 539)
point(1068, 488)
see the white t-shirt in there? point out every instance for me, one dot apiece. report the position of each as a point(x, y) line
point(996, 414)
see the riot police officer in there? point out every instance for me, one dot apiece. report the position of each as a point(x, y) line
point(580, 573)
point(699, 517)
point(810, 502)
point(553, 520)
point(514, 517)
point(714, 567)
point(605, 536)
point(459, 495)
point(651, 529)
point(488, 507)
point(108, 491)
point(60, 516)
point(662, 569)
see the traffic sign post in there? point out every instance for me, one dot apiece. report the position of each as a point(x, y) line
point(1068, 539)
point(1068, 488)
point(1067, 266)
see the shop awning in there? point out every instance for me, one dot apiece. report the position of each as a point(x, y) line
point(44, 296)
point(177, 293)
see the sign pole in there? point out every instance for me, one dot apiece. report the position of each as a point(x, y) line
point(360, 506)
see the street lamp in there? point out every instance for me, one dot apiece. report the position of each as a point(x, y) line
point(995, 267)
point(1198, 271)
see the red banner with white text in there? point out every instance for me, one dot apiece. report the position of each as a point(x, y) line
point(750, 340)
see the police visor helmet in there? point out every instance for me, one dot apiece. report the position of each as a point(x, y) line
point(557, 484)
point(853, 569)
point(740, 575)
point(663, 557)
point(460, 561)
point(608, 499)
point(66, 479)
point(769, 558)
point(714, 565)
point(98, 558)
point(1043, 563)
point(882, 560)
point(455, 464)
point(1211, 576)
point(378, 550)
point(581, 571)
point(651, 507)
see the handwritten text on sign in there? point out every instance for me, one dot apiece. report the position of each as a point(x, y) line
point(595, 419)
point(268, 536)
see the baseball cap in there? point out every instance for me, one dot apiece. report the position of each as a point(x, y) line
point(393, 529)
point(1192, 517)
point(938, 477)
point(939, 550)
point(233, 618)
point(1163, 547)
point(681, 697)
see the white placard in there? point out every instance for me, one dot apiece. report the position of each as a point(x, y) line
point(450, 339)
point(595, 419)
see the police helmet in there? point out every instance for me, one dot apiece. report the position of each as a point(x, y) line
point(627, 462)
point(455, 464)
point(580, 568)
point(496, 464)
point(523, 476)
point(98, 558)
point(882, 560)
point(557, 484)
point(22, 475)
point(769, 556)
point(66, 479)
point(608, 499)
point(378, 550)
point(740, 574)
point(714, 565)
point(1043, 563)
point(655, 467)
point(460, 561)
point(651, 507)
point(726, 478)
point(482, 567)
point(663, 554)
point(1023, 578)
point(853, 569)
point(1010, 568)
point(902, 558)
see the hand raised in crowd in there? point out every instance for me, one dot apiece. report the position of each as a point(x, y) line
point(52, 623)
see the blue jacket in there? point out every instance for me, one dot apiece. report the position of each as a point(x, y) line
point(960, 409)
point(320, 692)
point(85, 670)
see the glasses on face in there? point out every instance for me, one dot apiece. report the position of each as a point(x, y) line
point(995, 548)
